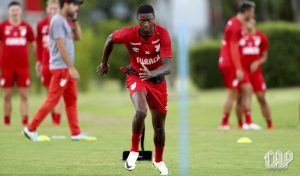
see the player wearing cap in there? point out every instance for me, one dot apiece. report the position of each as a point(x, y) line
point(254, 50)
point(230, 66)
point(43, 55)
point(149, 45)
point(64, 75)
point(15, 35)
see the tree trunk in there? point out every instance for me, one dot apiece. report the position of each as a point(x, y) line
point(265, 10)
point(216, 17)
point(296, 12)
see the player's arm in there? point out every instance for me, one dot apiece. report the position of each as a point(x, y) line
point(66, 58)
point(103, 68)
point(163, 70)
point(77, 28)
point(256, 64)
point(235, 53)
point(264, 56)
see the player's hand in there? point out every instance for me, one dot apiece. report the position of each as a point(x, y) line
point(239, 74)
point(103, 69)
point(254, 66)
point(38, 69)
point(75, 17)
point(147, 74)
point(74, 73)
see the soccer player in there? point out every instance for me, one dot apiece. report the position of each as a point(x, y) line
point(15, 36)
point(43, 55)
point(64, 75)
point(150, 51)
point(254, 50)
point(231, 68)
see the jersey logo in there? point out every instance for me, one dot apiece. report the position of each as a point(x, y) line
point(148, 61)
point(18, 41)
point(154, 42)
point(147, 52)
point(7, 32)
point(235, 83)
point(133, 86)
point(135, 44)
point(45, 29)
point(242, 42)
point(135, 49)
point(157, 48)
point(63, 82)
point(23, 31)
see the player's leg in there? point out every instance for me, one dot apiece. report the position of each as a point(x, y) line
point(70, 99)
point(230, 98)
point(7, 82)
point(246, 102)
point(56, 112)
point(264, 108)
point(138, 99)
point(239, 110)
point(259, 87)
point(231, 83)
point(158, 122)
point(157, 101)
point(24, 104)
point(137, 92)
point(23, 83)
point(7, 96)
point(55, 93)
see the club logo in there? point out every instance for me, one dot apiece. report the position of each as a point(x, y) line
point(63, 82)
point(157, 48)
point(235, 83)
point(135, 49)
point(278, 160)
point(133, 86)
point(23, 32)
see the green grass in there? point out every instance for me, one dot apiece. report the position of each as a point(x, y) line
point(107, 113)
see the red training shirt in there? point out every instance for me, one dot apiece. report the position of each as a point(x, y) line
point(14, 44)
point(252, 47)
point(232, 35)
point(144, 52)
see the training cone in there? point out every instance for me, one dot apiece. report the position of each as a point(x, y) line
point(244, 140)
point(44, 138)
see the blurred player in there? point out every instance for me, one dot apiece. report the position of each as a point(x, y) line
point(64, 74)
point(254, 50)
point(231, 68)
point(150, 51)
point(43, 55)
point(15, 35)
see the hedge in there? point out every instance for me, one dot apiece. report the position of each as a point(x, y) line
point(281, 70)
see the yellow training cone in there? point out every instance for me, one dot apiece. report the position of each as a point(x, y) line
point(43, 138)
point(244, 140)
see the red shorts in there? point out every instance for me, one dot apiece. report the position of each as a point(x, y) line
point(156, 94)
point(46, 76)
point(257, 81)
point(19, 75)
point(230, 79)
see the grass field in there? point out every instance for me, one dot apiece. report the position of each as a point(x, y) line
point(107, 112)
